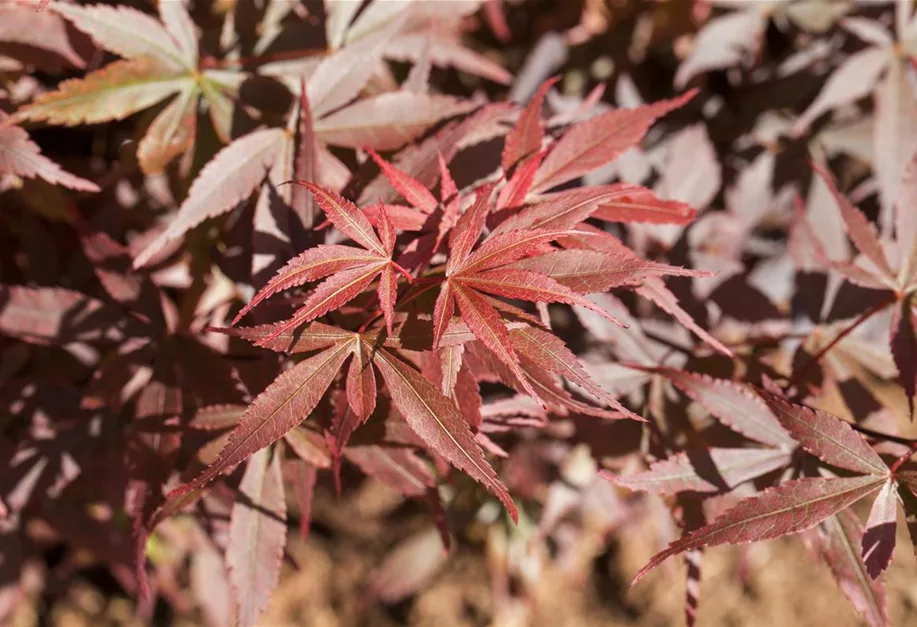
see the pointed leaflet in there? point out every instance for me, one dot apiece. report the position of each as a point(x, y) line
point(894, 134)
point(732, 404)
point(527, 285)
point(443, 311)
point(550, 353)
point(332, 293)
point(879, 537)
point(171, 133)
point(857, 226)
point(257, 536)
point(126, 32)
point(228, 179)
point(436, 420)
point(361, 383)
point(594, 142)
point(589, 271)
point(304, 489)
point(504, 248)
point(415, 192)
point(906, 226)
point(825, 436)
point(904, 347)
point(566, 209)
point(468, 228)
point(791, 507)
point(708, 470)
point(853, 79)
point(655, 290)
point(306, 339)
point(179, 25)
point(284, 404)
point(642, 205)
point(340, 77)
point(19, 155)
point(526, 136)
point(112, 93)
point(838, 542)
point(517, 188)
point(311, 265)
point(344, 215)
point(488, 327)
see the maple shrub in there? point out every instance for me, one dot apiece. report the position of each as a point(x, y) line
point(304, 266)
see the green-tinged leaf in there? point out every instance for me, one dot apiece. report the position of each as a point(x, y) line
point(112, 93)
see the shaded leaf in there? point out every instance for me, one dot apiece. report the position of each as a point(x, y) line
point(879, 537)
point(709, 470)
point(257, 536)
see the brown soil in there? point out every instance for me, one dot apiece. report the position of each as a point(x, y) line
point(783, 585)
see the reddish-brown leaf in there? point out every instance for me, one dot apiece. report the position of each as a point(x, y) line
point(858, 227)
point(468, 228)
point(415, 192)
point(257, 536)
point(548, 352)
point(655, 290)
point(487, 326)
point(302, 340)
point(594, 142)
point(903, 341)
point(331, 294)
point(642, 205)
point(827, 437)
point(791, 507)
point(398, 468)
point(311, 265)
point(346, 217)
point(284, 404)
point(525, 138)
point(436, 420)
point(19, 155)
point(838, 542)
point(361, 383)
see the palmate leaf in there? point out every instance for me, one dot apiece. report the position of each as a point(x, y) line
point(160, 60)
point(257, 536)
point(791, 507)
point(19, 155)
point(347, 284)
